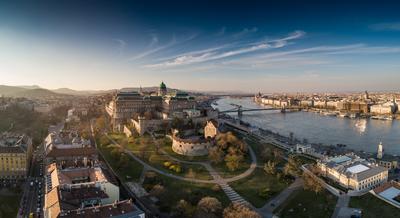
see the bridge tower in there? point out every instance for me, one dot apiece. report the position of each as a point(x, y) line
point(283, 109)
point(240, 112)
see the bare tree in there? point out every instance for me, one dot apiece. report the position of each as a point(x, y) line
point(239, 211)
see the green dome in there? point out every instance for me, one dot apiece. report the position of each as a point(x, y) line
point(163, 86)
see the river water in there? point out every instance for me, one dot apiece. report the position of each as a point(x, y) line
point(357, 134)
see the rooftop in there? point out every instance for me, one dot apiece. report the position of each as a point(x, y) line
point(358, 168)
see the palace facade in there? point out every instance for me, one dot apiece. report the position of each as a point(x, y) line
point(126, 104)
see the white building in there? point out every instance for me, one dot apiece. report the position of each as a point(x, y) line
point(382, 109)
point(353, 172)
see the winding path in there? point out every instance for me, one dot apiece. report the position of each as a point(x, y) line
point(252, 167)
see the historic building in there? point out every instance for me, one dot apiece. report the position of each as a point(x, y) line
point(67, 148)
point(84, 192)
point(126, 104)
point(211, 129)
point(353, 172)
point(15, 155)
point(189, 143)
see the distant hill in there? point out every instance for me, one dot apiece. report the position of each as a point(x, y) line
point(36, 93)
point(69, 91)
point(30, 87)
point(15, 91)
point(10, 90)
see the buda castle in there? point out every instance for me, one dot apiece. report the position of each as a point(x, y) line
point(160, 105)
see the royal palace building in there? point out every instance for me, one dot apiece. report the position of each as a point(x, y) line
point(125, 104)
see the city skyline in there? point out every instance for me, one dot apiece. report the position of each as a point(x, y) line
point(266, 47)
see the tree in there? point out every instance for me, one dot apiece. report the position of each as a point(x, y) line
point(100, 123)
point(239, 211)
point(123, 160)
point(157, 190)
point(266, 153)
point(148, 115)
point(277, 154)
point(184, 209)
point(104, 140)
point(291, 167)
point(233, 161)
point(226, 140)
point(115, 153)
point(311, 183)
point(208, 207)
point(270, 167)
point(216, 155)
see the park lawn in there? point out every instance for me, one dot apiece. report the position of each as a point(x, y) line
point(307, 204)
point(371, 206)
point(130, 173)
point(259, 147)
point(224, 172)
point(9, 205)
point(176, 190)
point(149, 154)
point(251, 186)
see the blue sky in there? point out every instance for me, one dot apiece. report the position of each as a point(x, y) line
point(202, 45)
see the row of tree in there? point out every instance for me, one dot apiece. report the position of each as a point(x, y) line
point(212, 208)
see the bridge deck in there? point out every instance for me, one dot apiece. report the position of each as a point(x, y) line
point(256, 109)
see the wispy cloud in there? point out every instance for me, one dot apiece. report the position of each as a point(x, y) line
point(121, 45)
point(152, 49)
point(154, 42)
point(219, 53)
point(245, 31)
point(307, 56)
point(390, 26)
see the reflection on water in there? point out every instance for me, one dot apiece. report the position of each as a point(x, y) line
point(361, 125)
point(358, 134)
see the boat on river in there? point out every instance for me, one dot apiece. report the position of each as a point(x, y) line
point(382, 117)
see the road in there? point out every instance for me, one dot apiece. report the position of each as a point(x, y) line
point(33, 196)
point(267, 210)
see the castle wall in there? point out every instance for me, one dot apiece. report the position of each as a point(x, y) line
point(193, 148)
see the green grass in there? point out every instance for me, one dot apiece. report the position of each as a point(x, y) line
point(371, 206)
point(307, 204)
point(133, 170)
point(224, 172)
point(148, 153)
point(251, 186)
point(9, 205)
point(175, 190)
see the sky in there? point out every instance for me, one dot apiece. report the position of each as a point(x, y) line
point(248, 46)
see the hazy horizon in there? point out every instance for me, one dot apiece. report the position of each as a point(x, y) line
point(201, 46)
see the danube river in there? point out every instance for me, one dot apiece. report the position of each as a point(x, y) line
point(357, 134)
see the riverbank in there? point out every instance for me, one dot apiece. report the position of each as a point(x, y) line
point(340, 114)
point(331, 133)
